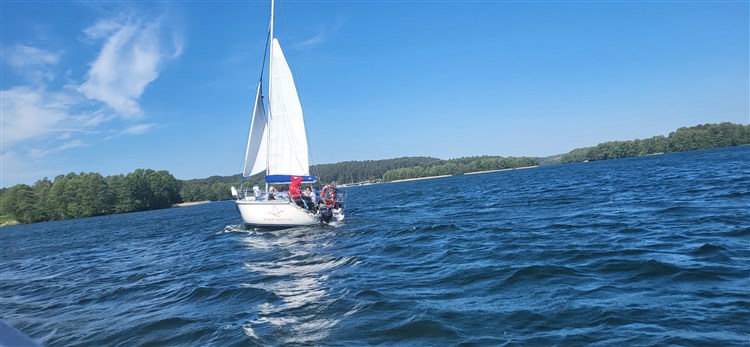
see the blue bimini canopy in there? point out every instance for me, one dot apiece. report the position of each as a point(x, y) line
point(288, 178)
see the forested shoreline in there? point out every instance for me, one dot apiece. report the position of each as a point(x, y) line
point(684, 139)
point(90, 194)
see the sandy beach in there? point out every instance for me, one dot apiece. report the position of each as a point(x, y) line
point(468, 173)
point(191, 203)
point(488, 171)
point(418, 178)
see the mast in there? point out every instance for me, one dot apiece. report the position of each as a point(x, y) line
point(270, 80)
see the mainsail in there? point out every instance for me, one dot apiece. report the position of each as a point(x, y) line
point(287, 151)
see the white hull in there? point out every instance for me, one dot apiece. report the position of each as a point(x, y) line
point(274, 213)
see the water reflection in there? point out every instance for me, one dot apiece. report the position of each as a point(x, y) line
point(291, 264)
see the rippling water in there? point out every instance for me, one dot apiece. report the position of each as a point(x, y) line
point(642, 251)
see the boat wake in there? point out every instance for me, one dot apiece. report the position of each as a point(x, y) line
point(235, 228)
point(293, 265)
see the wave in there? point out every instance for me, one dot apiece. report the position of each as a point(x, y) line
point(543, 273)
point(417, 330)
point(637, 268)
point(708, 248)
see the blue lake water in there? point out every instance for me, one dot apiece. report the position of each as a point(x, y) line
point(641, 251)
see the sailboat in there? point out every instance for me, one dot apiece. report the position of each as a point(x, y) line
point(277, 144)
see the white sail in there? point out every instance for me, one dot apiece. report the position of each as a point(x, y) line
point(256, 153)
point(287, 152)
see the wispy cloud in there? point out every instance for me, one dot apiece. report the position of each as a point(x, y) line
point(321, 35)
point(137, 129)
point(33, 63)
point(21, 55)
point(129, 60)
point(313, 41)
point(42, 115)
point(31, 114)
point(43, 152)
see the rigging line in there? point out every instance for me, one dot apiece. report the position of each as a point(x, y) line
point(260, 80)
point(265, 54)
point(295, 75)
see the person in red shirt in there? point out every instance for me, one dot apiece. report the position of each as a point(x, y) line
point(294, 191)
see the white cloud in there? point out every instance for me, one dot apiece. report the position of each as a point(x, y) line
point(129, 60)
point(137, 129)
point(30, 113)
point(94, 119)
point(33, 63)
point(40, 117)
point(315, 40)
point(102, 29)
point(43, 152)
point(322, 34)
point(23, 55)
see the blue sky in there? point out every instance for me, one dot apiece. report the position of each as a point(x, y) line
point(113, 86)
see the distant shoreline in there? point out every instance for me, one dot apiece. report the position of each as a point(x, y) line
point(191, 203)
point(467, 173)
point(418, 178)
point(488, 171)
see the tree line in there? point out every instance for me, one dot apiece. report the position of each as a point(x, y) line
point(214, 188)
point(681, 140)
point(90, 194)
point(459, 166)
point(367, 170)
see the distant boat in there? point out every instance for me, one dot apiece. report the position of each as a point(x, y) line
point(277, 144)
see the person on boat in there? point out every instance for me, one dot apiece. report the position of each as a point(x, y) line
point(294, 191)
point(308, 197)
point(308, 193)
point(271, 193)
point(328, 197)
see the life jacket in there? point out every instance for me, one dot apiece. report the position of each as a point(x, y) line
point(328, 195)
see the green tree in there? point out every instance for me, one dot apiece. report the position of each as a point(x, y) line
point(165, 189)
point(55, 199)
point(41, 190)
point(95, 196)
point(19, 203)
